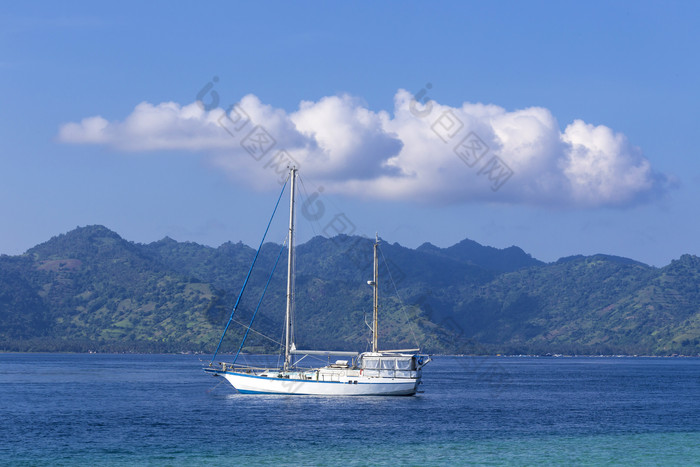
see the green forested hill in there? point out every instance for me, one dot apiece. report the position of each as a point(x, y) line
point(596, 304)
point(90, 289)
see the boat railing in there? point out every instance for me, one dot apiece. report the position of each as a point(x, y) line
point(241, 368)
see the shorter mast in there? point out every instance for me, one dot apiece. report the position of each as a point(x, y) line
point(290, 272)
point(375, 321)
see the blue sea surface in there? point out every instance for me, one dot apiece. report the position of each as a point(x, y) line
point(80, 409)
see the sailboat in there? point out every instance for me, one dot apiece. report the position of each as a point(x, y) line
point(372, 373)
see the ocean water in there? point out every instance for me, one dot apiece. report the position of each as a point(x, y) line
point(67, 409)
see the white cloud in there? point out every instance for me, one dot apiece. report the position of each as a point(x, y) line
point(431, 154)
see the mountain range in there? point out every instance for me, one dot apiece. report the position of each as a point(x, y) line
point(92, 290)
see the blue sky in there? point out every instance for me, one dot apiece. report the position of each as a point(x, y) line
point(588, 111)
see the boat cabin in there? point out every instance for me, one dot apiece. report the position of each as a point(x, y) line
point(389, 366)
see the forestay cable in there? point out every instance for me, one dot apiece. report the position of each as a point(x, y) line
point(238, 300)
point(259, 303)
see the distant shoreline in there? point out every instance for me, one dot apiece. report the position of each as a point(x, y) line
point(8, 352)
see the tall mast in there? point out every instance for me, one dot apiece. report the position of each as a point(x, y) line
point(290, 292)
point(375, 324)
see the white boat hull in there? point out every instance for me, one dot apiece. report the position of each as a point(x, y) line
point(362, 386)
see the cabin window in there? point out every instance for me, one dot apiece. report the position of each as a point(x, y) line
point(372, 363)
point(389, 363)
